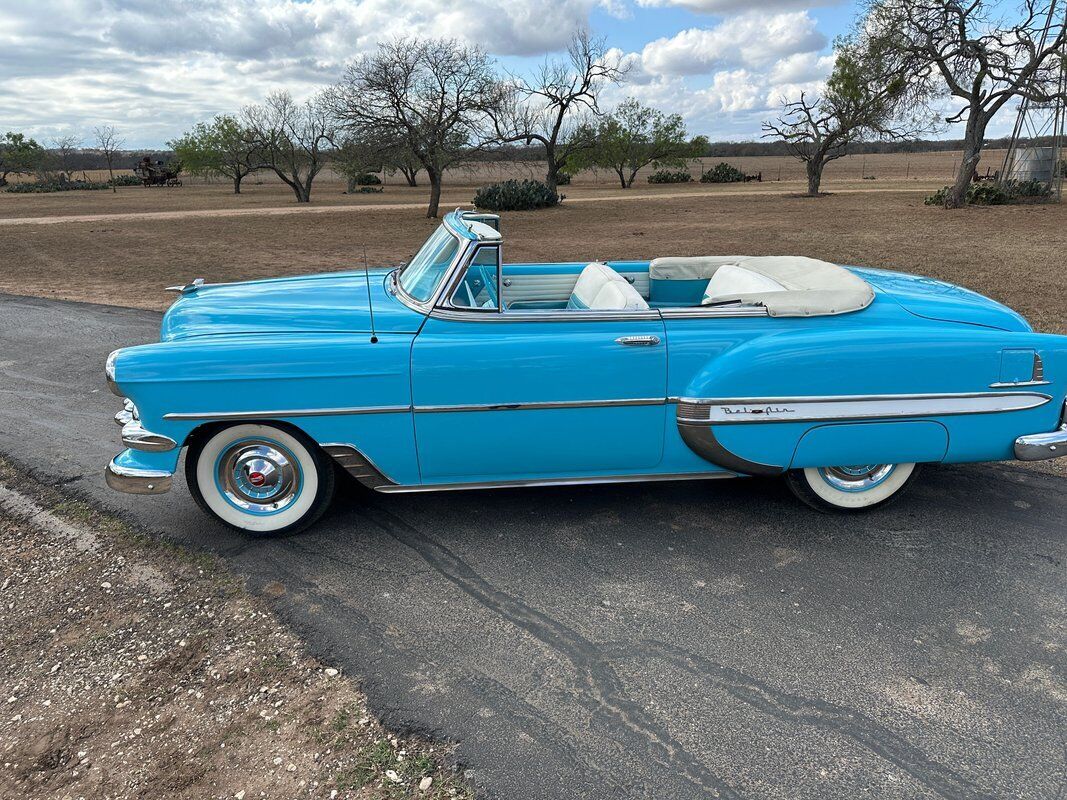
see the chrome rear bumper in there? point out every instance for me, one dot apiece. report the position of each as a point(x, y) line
point(137, 481)
point(1040, 446)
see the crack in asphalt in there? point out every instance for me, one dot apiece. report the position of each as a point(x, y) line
point(604, 695)
point(872, 735)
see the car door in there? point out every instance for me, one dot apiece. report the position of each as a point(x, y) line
point(528, 395)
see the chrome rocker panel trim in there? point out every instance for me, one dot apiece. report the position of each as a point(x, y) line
point(733, 411)
point(137, 481)
point(519, 484)
point(1042, 446)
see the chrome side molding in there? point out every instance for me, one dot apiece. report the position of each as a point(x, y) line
point(732, 411)
point(547, 404)
point(289, 412)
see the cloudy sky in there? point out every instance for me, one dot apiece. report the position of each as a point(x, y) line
point(154, 67)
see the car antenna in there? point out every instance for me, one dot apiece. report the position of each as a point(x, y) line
point(370, 300)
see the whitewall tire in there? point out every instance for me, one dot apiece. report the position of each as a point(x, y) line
point(851, 488)
point(260, 478)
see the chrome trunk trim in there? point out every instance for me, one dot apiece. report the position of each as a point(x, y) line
point(283, 413)
point(733, 411)
point(137, 481)
point(519, 484)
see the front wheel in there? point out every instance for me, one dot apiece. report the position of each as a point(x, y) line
point(260, 478)
point(854, 488)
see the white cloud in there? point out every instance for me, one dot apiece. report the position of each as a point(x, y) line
point(802, 68)
point(753, 40)
point(731, 6)
point(732, 91)
point(157, 66)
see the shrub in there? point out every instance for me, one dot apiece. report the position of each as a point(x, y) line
point(44, 187)
point(563, 179)
point(987, 193)
point(368, 179)
point(125, 180)
point(723, 173)
point(670, 176)
point(1030, 189)
point(516, 196)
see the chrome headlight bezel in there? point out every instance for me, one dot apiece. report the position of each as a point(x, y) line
point(109, 373)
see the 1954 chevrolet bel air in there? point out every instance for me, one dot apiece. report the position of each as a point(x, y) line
point(458, 371)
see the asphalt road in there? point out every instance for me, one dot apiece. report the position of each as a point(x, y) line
point(659, 641)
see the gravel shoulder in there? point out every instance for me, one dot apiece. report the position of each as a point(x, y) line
point(132, 669)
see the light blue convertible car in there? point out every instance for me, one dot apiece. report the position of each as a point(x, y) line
point(458, 371)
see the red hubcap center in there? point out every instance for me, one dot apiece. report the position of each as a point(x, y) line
point(257, 478)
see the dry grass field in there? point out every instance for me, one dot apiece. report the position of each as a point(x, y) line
point(123, 248)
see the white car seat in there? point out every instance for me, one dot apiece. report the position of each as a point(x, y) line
point(600, 288)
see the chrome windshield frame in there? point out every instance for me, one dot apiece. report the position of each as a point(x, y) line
point(468, 244)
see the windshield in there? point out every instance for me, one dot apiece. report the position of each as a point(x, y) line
point(422, 274)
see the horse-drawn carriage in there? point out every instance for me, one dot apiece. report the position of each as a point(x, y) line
point(158, 173)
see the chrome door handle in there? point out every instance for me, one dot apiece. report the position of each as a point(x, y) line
point(507, 281)
point(638, 341)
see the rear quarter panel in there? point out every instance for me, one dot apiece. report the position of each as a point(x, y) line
point(880, 351)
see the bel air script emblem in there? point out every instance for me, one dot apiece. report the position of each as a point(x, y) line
point(756, 410)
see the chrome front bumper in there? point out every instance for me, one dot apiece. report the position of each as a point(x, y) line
point(1041, 446)
point(137, 481)
point(132, 478)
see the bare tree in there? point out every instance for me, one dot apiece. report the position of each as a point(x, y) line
point(65, 151)
point(397, 157)
point(967, 50)
point(108, 142)
point(863, 98)
point(291, 138)
point(432, 94)
point(548, 107)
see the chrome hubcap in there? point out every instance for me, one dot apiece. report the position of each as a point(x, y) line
point(258, 477)
point(856, 478)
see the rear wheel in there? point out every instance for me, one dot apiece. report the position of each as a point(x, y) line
point(260, 478)
point(860, 487)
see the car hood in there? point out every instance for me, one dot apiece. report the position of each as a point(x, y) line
point(336, 302)
point(938, 300)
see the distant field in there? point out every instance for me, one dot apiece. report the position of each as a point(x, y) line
point(1013, 253)
point(937, 167)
